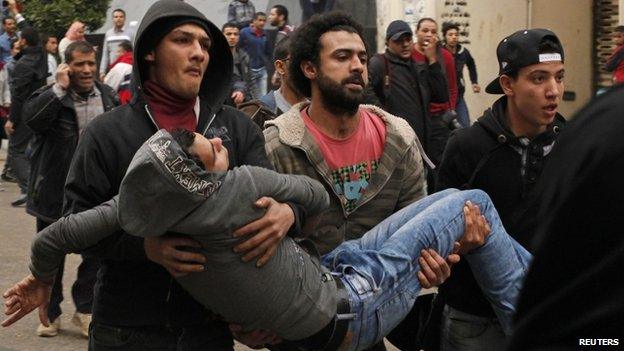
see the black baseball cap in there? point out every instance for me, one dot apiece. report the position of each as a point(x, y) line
point(522, 49)
point(396, 29)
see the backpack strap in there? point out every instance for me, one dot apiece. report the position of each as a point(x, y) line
point(386, 79)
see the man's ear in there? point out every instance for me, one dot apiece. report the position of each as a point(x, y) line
point(309, 70)
point(150, 57)
point(506, 83)
point(279, 67)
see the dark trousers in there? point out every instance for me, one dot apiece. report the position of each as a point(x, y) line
point(210, 335)
point(82, 289)
point(20, 166)
point(420, 330)
point(438, 134)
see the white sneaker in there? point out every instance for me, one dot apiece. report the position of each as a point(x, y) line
point(51, 330)
point(82, 321)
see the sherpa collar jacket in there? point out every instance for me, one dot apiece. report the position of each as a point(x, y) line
point(397, 182)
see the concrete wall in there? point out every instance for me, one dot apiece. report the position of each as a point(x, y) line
point(575, 33)
point(492, 20)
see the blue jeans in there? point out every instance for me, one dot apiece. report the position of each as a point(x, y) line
point(463, 117)
point(258, 82)
point(379, 270)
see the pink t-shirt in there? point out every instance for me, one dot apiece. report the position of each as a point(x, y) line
point(352, 160)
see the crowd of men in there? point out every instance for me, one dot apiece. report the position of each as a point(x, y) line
point(379, 132)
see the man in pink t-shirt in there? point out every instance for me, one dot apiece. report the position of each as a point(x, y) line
point(370, 162)
point(353, 159)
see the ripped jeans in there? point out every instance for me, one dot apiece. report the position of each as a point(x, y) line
point(379, 270)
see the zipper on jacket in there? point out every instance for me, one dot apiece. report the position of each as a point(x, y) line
point(214, 115)
point(150, 116)
point(324, 178)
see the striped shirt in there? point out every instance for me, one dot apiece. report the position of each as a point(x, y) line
point(112, 38)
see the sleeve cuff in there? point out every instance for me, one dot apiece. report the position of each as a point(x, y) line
point(19, 18)
point(300, 216)
point(59, 91)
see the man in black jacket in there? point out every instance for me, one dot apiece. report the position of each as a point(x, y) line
point(401, 86)
point(182, 74)
point(29, 74)
point(405, 88)
point(57, 115)
point(572, 295)
point(503, 153)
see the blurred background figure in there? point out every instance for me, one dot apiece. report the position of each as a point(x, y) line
point(7, 171)
point(450, 32)
point(312, 7)
point(615, 63)
point(241, 77)
point(10, 33)
point(253, 40)
point(241, 13)
point(119, 76)
point(75, 32)
point(50, 44)
point(112, 39)
point(29, 74)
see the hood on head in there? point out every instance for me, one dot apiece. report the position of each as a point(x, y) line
point(217, 78)
point(162, 186)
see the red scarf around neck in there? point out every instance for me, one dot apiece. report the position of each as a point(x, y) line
point(169, 111)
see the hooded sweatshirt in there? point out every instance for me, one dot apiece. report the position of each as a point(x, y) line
point(165, 190)
point(575, 285)
point(132, 291)
point(488, 156)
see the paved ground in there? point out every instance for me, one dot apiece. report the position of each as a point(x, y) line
point(16, 231)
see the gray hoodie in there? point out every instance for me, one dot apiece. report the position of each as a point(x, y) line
point(164, 190)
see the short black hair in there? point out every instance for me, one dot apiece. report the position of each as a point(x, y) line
point(6, 19)
point(80, 46)
point(126, 46)
point(446, 26)
point(425, 19)
point(619, 29)
point(228, 25)
point(119, 10)
point(259, 14)
point(184, 138)
point(547, 46)
point(13, 42)
point(305, 43)
point(44, 37)
point(281, 50)
point(30, 36)
point(281, 11)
